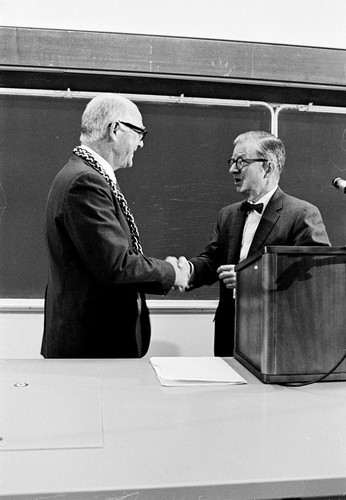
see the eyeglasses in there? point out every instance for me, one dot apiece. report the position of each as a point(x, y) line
point(140, 131)
point(243, 162)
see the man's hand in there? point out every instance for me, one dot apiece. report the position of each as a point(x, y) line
point(228, 275)
point(182, 272)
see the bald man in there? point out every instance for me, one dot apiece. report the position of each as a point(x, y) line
point(98, 274)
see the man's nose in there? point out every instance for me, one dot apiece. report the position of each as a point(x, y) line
point(233, 168)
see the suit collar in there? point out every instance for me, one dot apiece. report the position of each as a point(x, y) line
point(235, 232)
point(104, 163)
point(269, 218)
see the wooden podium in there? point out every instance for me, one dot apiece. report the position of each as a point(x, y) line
point(291, 313)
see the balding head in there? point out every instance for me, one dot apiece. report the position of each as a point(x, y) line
point(103, 110)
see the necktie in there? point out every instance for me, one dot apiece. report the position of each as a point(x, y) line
point(248, 207)
point(120, 197)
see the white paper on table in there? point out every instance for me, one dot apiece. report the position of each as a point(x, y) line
point(186, 371)
point(49, 412)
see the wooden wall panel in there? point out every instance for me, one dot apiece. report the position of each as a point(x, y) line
point(98, 52)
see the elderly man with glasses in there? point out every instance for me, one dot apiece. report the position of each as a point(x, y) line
point(97, 276)
point(268, 216)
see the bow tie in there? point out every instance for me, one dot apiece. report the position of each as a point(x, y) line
point(248, 207)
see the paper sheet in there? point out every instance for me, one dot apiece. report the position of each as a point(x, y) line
point(46, 413)
point(187, 371)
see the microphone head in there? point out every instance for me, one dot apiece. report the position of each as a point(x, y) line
point(339, 183)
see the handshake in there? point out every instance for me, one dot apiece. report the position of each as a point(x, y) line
point(183, 271)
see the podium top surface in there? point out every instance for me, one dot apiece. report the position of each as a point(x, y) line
point(297, 250)
point(307, 249)
point(236, 441)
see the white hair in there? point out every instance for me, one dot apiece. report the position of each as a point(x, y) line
point(100, 112)
point(268, 145)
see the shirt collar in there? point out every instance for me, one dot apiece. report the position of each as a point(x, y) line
point(104, 163)
point(266, 198)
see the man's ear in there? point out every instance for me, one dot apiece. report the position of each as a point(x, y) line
point(269, 168)
point(113, 129)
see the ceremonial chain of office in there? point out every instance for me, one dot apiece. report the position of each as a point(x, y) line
point(85, 155)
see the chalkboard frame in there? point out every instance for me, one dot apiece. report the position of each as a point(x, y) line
point(35, 305)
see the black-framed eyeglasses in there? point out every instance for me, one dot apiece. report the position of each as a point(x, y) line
point(243, 162)
point(140, 130)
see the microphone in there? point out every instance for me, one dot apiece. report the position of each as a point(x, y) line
point(339, 183)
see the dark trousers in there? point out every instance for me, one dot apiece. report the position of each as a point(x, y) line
point(224, 329)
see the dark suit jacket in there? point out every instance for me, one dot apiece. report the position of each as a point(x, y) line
point(285, 221)
point(95, 280)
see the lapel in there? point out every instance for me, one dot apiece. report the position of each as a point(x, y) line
point(270, 217)
point(235, 234)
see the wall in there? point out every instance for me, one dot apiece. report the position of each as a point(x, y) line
point(317, 23)
point(188, 334)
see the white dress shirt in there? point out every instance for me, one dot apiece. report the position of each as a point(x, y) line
point(251, 224)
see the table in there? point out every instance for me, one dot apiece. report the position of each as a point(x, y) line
point(214, 442)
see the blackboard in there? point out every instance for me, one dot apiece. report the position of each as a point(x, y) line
point(177, 185)
point(316, 154)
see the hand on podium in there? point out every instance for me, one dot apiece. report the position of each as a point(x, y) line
point(228, 275)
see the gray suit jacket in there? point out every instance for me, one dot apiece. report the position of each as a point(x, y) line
point(285, 221)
